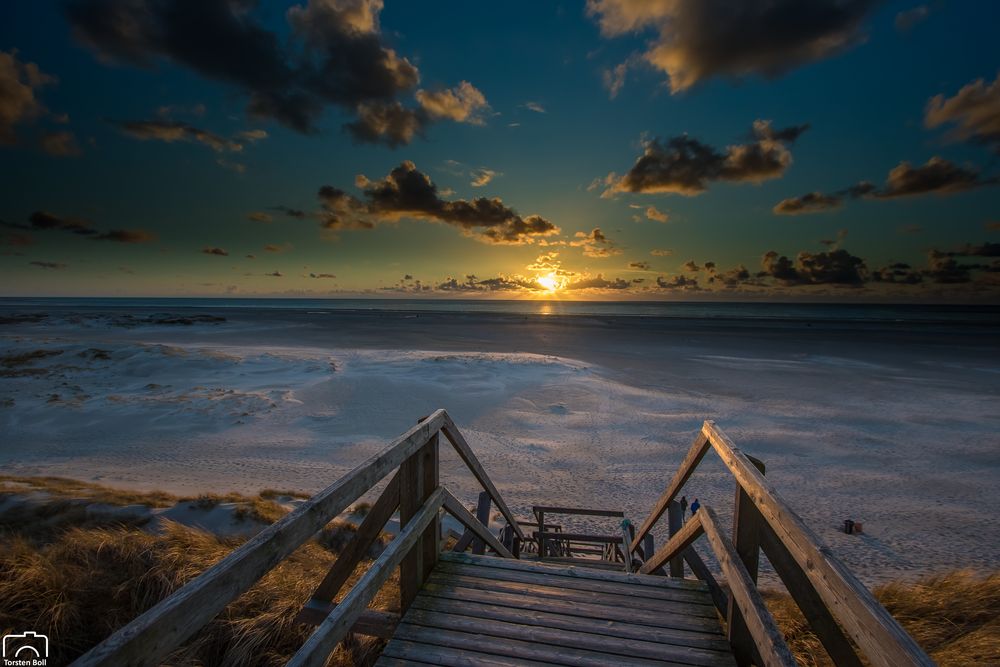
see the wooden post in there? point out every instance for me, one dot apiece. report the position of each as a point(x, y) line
point(675, 521)
point(418, 479)
point(541, 533)
point(483, 515)
point(747, 522)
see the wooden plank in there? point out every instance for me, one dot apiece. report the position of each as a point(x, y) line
point(331, 631)
point(580, 537)
point(691, 531)
point(572, 639)
point(822, 622)
point(534, 566)
point(151, 636)
point(429, 544)
point(870, 626)
point(571, 583)
point(386, 661)
point(602, 564)
point(514, 648)
point(764, 631)
point(619, 630)
point(557, 593)
point(579, 511)
point(444, 656)
point(695, 453)
point(539, 535)
point(457, 440)
point(468, 536)
point(746, 539)
point(456, 509)
point(612, 612)
point(719, 597)
point(675, 522)
point(351, 555)
point(372, 622)
point(411, 498)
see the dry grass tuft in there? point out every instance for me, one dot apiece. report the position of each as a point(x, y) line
point(955, 617)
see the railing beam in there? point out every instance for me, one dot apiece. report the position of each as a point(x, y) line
point(746, 539)
point(675, 521)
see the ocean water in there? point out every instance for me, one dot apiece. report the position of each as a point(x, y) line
point(982, 315)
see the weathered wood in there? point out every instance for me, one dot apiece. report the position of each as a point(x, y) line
point(695, 453)
point(443, 656)
point(579, 638)
point(514, 648)
point(429, 545)
point(372, 623)
point(719, 597)
point(332, 630)
point(457, 440)
point(822, 622)
point(580, 537)
point(483, 516)
point(616, 630)
point(457, 510)
point(593, 610)
point(746, 528)
point(625, 540)
point(579, 511)
point(675, 522)
point(873, 629)
point(539, 535)
point(691, 531)
point(351, 555)
point(151, 636)
point(768, 639)
point(575, 583)
point(412, 494)
point(578, 573)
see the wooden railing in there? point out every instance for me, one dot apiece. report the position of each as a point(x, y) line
point(838, 607)
point(415, 490)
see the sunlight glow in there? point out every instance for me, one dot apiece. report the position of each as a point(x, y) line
point(549, 281)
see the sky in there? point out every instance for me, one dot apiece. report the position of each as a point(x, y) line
point(604, 149)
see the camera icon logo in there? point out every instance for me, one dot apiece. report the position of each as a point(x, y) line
point(28, 648)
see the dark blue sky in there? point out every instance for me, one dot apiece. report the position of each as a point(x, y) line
point(153, 147)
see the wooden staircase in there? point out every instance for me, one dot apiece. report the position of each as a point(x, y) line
point(551, 597)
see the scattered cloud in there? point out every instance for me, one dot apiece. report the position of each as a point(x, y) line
point(278, 247)
point(699, 39)
point(974, 113)
point(60, 144)
point(812, 202)
point(462, 104)
point(905, 20)
point(170, 131)
point(837, 267)
point(595, 244)
point(683, 165)
point(661, 252)
point(19, 83)
point(482, 176)
point(652, 213)
point(260, 216)
point(49, 265)
point(534, 106)
point(275, 274)
point(322, 275)
point(639, 266)
point(126, 236)
point(212, 250)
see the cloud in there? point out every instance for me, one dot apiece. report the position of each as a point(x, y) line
point(322, 275)
point(277, 247)
point(333, 54)
point(60, 144)
point(49, 265)
point(836, 267)
point(296, 213)
point(534, 106)
point(170, 131)
point(907, 19)
point(677, 282)
point(482, 176)
point(595, 244)
point(731, 278)
point(462, 104)
point(699, 39)
point(275, 274)
point(598, 282)
point(639, 266)
point(614, 78)
point(661, 252)
point(812, 202)
point(652, 213)
point(260, 216)
point(19, 82)
point(211, 250)
point(407, 192)
point(683, 165)
point(44, 220)
point(974, 111)
point(126, 236)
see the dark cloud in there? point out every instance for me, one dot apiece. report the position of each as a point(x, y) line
point(275, 274)
point(836, 267)
point(126, 236)
point(45, 220)
point(170, 131)
point(973, 112)
point(734, 277)
point(683, 165)
point(898, 272)
point(211, 250)
point(639, 266)
point(699, 39)
point(49, 265)
point(334, 54)
point(291, 212)
point(60, 144)
point(812, 202)
point(598, 282)
point(19, 83)
point(260, 216)
point(407, 192)
point(595, 244)
point(322, 275)
point(677, 282)
point(471, 283)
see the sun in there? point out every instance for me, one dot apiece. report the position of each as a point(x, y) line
point(549, 281)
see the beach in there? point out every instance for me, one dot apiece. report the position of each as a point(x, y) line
point(891, 423)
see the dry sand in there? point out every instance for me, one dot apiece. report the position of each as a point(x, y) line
point(893, 426)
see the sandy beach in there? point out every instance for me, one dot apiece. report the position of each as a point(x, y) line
point(892, 424)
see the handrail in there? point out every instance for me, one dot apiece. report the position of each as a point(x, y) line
point(866, 622)
point(149, 638)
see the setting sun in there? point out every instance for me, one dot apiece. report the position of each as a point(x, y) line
point(549, 281)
